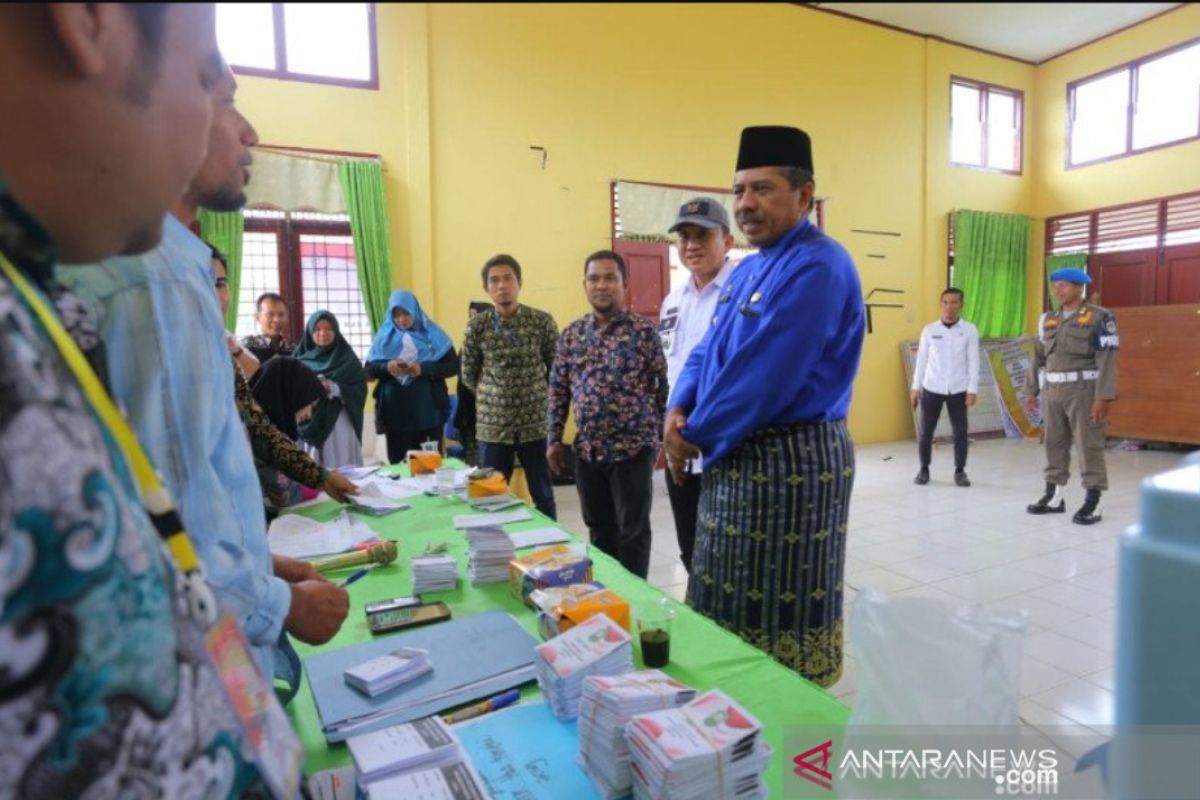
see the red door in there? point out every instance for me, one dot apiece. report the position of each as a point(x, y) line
point(648, 265)
point(1123, 279)
point(1179, 277)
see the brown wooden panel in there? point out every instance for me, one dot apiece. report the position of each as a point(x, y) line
point(1124, 279)
point(1158, 374)
point(1179, 281)
point(649, 268)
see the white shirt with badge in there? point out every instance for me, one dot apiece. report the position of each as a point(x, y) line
point(686, 316)
point(948, 359)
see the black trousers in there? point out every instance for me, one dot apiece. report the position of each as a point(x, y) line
point(615, 499)
point(400, 442)
point(685, 504)
point(931, 409)
point(532, 456)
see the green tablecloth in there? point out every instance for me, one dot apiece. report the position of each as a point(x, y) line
point(702, 654)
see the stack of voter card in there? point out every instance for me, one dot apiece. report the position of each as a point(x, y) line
point(422, 758)
point(711, 747)
point(609, 703)
point(433, 574)
point(386, 672)
point(596, 646)
point(491, 550)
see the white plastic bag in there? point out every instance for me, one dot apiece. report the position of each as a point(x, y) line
point(923, 661)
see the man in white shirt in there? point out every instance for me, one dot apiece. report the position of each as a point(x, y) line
point(947, 374)
point(702, 226)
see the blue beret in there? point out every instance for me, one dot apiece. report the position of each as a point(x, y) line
point(1070, 274)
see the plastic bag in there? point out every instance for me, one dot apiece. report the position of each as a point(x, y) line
point(923, 661)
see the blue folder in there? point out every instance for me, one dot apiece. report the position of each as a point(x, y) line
point(490, 650)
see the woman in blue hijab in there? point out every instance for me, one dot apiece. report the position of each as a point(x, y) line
point(410, 359)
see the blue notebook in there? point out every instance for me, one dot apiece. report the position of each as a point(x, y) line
point(473, 658)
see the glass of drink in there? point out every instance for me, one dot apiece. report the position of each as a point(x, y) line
point(654, 631)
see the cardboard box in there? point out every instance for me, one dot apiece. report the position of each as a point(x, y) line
point(565, 607)
point(557, 565)
point(421, 462)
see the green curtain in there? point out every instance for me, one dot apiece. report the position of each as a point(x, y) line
point(224, 231)
point(991, 256)
point(1054, 263)
point(362, 184)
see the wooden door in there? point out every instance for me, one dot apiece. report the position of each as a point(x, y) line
point(1123, 279)
point(648, 265)
point(1179, 276)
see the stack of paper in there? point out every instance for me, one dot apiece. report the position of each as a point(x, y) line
point(607, 705)
point(496, 502)
point(300, 537)
point(712, 747)
point(433, 574)
point(385, 672)
point(422, 759)
point(487, 520)
point(420, 744)
point(457, 781)
point(374, 499)
point(597, 646)
point(491, 550)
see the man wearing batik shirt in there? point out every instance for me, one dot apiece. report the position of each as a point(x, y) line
point(610, 365)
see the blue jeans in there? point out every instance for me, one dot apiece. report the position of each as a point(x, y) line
point(499, 456)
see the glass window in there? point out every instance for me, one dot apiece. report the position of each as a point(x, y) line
point(1168, 99)
point(332, 40)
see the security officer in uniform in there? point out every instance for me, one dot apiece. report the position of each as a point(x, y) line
point(1077, 356)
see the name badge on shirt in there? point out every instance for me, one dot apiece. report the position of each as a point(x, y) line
point(277, 751)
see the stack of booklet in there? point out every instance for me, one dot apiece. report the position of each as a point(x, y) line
point(495, 502)
point(433, 574)
point(491, 550)
point(596, 646)
point(608, 703)
point(386, 672)
point(711, 747)
point(422, 758)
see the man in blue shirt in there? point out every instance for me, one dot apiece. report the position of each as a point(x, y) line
point(169, 366)
point(764, 398)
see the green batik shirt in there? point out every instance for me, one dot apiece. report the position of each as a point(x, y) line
point(506, 363)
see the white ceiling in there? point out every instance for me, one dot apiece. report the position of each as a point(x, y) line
point(1028, 31)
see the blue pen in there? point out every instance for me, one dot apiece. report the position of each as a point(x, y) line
point(356, 576)
point(497, 702)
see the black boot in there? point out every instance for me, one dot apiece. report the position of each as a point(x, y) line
point(1089, 512)
point(960, 478)
point(922, 477)
point(1050, 503)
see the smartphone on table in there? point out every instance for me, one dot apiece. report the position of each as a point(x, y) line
point(392, 619)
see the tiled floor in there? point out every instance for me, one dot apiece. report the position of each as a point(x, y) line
point(977, 545)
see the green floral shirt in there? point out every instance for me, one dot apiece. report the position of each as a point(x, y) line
point(506, 363)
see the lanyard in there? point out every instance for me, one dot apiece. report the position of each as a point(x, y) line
point(155, 497)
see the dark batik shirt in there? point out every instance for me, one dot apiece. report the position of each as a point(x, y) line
point(616, 377)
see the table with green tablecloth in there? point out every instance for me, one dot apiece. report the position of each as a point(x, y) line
point(703, 655)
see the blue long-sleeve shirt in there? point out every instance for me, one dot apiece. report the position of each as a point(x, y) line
point(169, 369)
point(783, 347)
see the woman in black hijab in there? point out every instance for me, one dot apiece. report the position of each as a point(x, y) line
point(288, 391)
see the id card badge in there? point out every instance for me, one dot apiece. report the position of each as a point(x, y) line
point(277, 750)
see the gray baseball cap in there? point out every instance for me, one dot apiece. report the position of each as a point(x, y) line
point(703, 211)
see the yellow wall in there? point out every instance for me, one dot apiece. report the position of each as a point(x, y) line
point(1170, 170)
point(660, 93)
